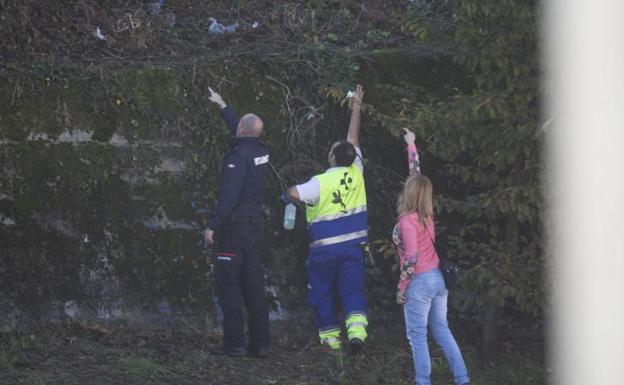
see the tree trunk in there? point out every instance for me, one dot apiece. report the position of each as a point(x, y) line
point(492, 311)
point(489, 330)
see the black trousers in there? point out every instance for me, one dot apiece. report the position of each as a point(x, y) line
point(239, 279)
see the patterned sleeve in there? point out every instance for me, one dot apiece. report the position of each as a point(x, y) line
point(413, 160)
point(409, 258)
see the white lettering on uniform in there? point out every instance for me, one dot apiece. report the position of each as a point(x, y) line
point(261, 160)
point(231, 165)
point(221, 258)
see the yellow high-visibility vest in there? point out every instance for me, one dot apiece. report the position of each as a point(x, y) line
point(340, 216)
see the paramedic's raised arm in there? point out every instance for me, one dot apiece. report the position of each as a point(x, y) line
point(353, 135)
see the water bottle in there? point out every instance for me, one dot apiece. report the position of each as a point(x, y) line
point(369, 259)
point(289, 216)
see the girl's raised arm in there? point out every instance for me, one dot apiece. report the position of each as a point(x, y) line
point(413, 161)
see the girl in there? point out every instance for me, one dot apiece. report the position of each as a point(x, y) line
point(421, 287)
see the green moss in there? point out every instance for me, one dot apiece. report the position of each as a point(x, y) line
point(23, 116)
point(145, 97)
point(81, 182)
point(160, 263)
point(90, 109)
point(110, 194)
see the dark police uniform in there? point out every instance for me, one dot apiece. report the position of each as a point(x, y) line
point(237, 222)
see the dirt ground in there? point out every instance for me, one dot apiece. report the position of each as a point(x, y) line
point(97, 356)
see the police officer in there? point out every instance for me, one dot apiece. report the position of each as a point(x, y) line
point(235, 225)
point(337, 224)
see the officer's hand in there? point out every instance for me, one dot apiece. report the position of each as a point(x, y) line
point(409, 136)
point(400, 297)
point(216, 98)
point(208, 236)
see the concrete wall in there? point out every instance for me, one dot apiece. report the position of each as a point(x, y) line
point(105, 185)
point(108, 174)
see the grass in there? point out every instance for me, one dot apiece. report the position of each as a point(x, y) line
point(139, 366)
point(7, 360)
point(177, 358)
point(35, 379)
point(386, 367)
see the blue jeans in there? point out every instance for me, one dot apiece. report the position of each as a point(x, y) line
point(426, 305)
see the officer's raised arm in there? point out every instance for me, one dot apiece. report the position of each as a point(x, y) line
point(353, 135)
point(227, 113)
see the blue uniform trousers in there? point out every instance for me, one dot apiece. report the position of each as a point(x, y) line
point(336, 270)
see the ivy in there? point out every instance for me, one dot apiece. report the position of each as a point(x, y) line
point(483, 148)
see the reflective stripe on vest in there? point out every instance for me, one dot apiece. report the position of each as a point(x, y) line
point(340, 214)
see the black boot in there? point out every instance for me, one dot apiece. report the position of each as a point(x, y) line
point(356, 345)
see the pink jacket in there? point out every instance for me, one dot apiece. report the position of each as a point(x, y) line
point(415, 247)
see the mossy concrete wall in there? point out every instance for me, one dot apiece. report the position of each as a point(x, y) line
point(108, 174)
point(105, 185)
